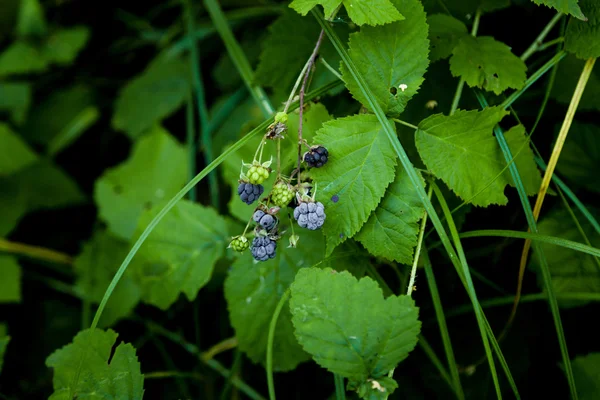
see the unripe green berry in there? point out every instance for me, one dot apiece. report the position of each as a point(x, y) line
point(282, 194)
point(257, 174)
point(239, 244)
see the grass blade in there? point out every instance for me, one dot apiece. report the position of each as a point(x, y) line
point(428, 350)
point(238, 57)
point(340, 391)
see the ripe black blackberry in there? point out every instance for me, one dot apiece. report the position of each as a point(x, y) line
point(263, 248)
point(316, 157)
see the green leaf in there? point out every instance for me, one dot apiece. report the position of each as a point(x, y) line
point(85, 369)
point(348, 326)
point(15, 154)
point(31, 20)
point(292, 50)
point(155, 171)
point(583, 36)
point(461, 150)
point(370, 12)
point(253, 290)
point(63, 45)
point(567, 76)
point(564, 6)
point(391, 231)
point(580, 156)
point(586, 370)
point(95, 267)
point(391, 56)
point(58, 113)
point(488, 64)
point(153, 95)
point(15, 97)
point(444, 34)
point(21, 58)
point(360, 167)
point(10, 284)
point(4, 339)
point(572, 271)
point(180, 253)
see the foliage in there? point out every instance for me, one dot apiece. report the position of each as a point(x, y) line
point(112, 117)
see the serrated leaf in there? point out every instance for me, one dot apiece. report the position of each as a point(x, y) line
point(15, 98)
point(583, 37)
point(10, 284)
point(15, 154)
point(564, 6)
point(444, 34)
point(488, 64)
point(461, 150)
point(153, 95)
point(4, 340)
point(180, 253)
point(586, 370)
point(580, 156)
point(85, 368)
point(63, 45)
point(567, 76)
point(370, 12)
point(31, 20)
point(21, 58)
point(392, 58)
point(391, 230)
point(155, 171)
point(96, 266)
point(571, 271)
point(360, 167)
point(292, 50)
point(253, 290)
point(347, 325)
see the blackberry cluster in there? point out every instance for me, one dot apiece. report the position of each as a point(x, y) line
point(310, 215)
point(263, 248)
point(257, 174)
point(249, 193)
point(316, 157)
point(282, 194)
point(266, 221)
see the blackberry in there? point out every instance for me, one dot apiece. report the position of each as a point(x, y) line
point(263, 248)
point(316, 157)
point(282, 194)
point(310, 215)
point(249, 193)
point(266, 221)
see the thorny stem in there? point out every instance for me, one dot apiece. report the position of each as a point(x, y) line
point(537, 43)
point(311, 62)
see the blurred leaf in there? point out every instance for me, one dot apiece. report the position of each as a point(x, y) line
point(10, 284)
point(58, 113)
point(586, 370)
point(243, 118)
point(488, 64)
point(567, 76)
point(156, 93)
point(180, 253)
point(95, 267)
point(583, 37)
point(580, 158)
point(15, 98)
point(371, 12)
point(360, 167)
point(564, 6)
point(63, 45)
point(572, 271)
point(155, 171)
point(82, 369)
point(349, 327)
point(21, 58)
point(31, 21)
point(392, 58)
point(444, 34)
point(391, 230)
point(15, 154)
point(4, 339)
point(253, 289)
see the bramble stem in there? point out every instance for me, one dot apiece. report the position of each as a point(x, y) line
point(537, 43)
point(38, 253)
point(413, 272)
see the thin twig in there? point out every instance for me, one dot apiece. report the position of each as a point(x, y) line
point(413, 272)
point(38, 253)
point(537, 43)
